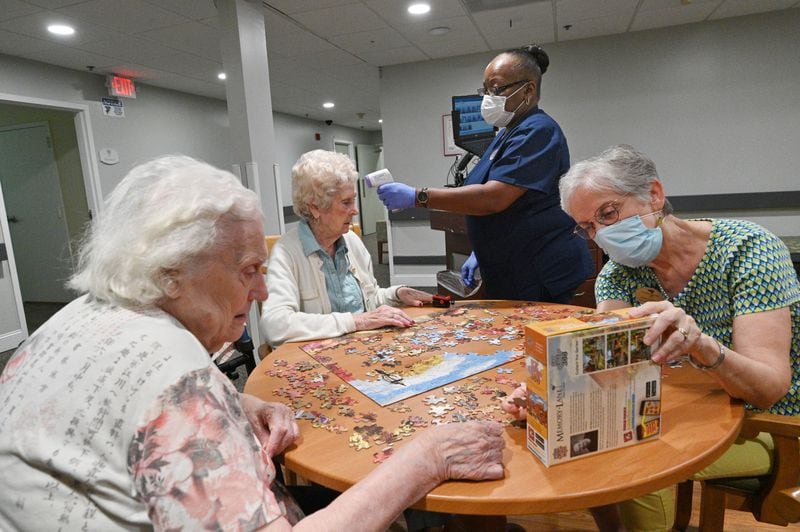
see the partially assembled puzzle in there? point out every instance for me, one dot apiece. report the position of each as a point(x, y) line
point(391, 365)
point(590, 385)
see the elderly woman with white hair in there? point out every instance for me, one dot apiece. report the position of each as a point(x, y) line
point(724, 294)
point(320, 275)
point(113, 416)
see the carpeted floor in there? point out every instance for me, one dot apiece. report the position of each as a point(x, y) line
point(381, 270)
point(35, 315)
point(4, 356)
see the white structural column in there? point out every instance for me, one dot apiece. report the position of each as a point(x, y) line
point(244, 57)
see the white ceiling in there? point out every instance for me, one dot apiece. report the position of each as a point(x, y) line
point(322, 50)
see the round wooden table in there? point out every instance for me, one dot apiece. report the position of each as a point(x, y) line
point(699, 422)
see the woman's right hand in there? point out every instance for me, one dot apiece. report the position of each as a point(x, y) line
point(466, 451)
point(383, 316)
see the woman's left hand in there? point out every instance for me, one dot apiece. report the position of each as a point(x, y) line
point(678, 331)
point(273, 423)
point(469, 451)
point(411, 297)
point(510, 405)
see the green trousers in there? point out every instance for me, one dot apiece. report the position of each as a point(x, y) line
point(656, 511)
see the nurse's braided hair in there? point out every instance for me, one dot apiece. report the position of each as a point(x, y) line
point(533, 59)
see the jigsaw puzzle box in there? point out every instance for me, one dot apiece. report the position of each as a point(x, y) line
point(591, 386)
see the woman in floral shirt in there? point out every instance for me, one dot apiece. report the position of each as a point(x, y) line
point(113, 417)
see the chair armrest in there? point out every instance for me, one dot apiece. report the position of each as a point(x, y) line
point(788, 502)
point(777, 425)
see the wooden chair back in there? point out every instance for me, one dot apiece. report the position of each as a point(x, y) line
point(270, 241)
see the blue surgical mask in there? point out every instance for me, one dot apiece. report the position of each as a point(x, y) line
point(630, 242)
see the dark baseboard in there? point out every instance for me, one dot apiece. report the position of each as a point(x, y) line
point(420, 260)
point(789, 199)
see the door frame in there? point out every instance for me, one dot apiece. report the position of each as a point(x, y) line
point(85, 141)
point(365, 198)
point(351, 147)
point(22, 333)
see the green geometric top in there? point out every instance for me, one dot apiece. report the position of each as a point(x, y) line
point(745, 269)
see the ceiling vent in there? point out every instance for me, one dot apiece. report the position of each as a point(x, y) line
point(476, 6)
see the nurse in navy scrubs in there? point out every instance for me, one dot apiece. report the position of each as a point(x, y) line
point(522, 240)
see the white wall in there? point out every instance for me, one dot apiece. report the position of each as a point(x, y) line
point(161, 121)
point(715, 104)
point(295, 136)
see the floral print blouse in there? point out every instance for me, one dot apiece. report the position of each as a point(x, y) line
point(116, 419)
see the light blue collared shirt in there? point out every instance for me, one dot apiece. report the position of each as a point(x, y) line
point(344, 291)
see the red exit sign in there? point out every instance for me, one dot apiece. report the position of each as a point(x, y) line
point(119, 86)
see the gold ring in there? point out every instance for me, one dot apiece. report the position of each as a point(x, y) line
point(684, 332)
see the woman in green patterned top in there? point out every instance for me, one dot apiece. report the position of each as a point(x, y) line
point(724, 293)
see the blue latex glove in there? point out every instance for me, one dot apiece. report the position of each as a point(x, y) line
point(468, 270)
point(397, 196)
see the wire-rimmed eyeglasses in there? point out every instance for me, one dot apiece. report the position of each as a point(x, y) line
point(494, 91)
point(606, 214)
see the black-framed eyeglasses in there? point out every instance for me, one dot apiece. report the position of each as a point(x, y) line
point(606, 214)
point(494, 91)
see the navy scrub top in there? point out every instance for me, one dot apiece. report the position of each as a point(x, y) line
point(528, 251)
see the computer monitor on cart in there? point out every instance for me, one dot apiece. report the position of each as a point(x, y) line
point(470, 131)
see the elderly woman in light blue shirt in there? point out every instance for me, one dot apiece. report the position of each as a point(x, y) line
point(320, 276)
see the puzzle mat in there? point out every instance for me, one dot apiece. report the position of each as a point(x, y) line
point(389, 365)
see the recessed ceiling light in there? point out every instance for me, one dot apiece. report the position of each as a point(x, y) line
point(439, 30)
point(419, 9)
point(380, 120)
point(328, 105)
point(222, 75)
point(60, 29)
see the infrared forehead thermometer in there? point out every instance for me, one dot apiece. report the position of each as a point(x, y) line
point(378, 178)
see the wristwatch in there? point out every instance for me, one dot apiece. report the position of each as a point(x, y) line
point(422, 197)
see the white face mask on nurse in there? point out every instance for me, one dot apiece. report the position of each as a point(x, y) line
point(493, 107)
